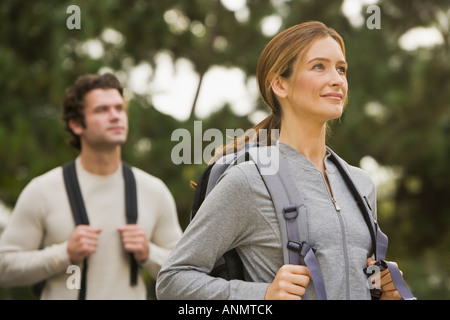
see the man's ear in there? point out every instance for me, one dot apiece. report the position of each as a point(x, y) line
point(279, 86)
point(76, 127)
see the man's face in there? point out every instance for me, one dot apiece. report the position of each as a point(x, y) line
point(106, 121)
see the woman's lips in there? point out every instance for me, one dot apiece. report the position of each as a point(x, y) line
point(333, 96)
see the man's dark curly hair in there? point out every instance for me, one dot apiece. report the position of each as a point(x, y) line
point(74, 102)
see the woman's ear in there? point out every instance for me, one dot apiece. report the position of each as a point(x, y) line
point(279, 86)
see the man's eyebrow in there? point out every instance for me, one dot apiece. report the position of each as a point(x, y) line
point(326, 59)
point(109, 105)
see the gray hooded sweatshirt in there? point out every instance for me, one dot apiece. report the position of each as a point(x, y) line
point(239, 213)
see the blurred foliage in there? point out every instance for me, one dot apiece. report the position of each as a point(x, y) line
point(398, 112)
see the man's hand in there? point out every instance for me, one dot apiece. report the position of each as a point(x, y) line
point(82, 243)
point(135, 241)
point(289, 284)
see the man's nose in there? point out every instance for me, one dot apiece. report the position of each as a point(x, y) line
point(114, 113)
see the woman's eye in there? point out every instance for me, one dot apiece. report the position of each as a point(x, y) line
point(342, 70)
point(318, 67)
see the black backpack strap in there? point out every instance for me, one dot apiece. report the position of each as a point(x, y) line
point(131, 212)
point(73, 191)
point(80, 214)
point(201, 190)
point(360, 201)
point(78, 211)
point(379, 239)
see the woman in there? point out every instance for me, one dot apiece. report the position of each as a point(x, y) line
point(302, 77)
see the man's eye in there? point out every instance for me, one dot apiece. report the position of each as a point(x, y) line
point(101, 109)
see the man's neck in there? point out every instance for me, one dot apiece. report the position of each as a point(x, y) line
point(101, 163)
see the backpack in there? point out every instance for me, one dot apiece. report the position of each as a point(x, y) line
point(80, 215)
point(290, 210)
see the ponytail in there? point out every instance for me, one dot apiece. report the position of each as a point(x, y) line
point(264, 133)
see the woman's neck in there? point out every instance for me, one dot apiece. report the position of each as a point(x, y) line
point(307, 138)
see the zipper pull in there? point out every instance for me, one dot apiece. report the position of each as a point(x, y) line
point(336, 204)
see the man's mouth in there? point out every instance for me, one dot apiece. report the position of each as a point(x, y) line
point(116, 128)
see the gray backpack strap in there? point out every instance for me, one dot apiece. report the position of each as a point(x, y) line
point(397, 278)
point(223, 164)
point(291, 212)
point(216, 171)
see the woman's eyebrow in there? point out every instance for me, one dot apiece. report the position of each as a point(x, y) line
point(326, 59)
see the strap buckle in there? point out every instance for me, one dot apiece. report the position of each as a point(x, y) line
point(381, 264)
point(301, 248)
point(290, 212)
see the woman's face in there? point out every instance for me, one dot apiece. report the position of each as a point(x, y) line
point(317, 90)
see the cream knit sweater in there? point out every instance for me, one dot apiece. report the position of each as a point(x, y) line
point(33, 247)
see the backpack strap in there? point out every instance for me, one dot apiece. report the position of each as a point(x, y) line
point(291, 212)
point(78, 212)
point(360, 201)
point(379, 239)
point(200, 190)
point(73, 191)
point(80, 215)
point(209, 178)
point(397, 278)
point(225, 163)
point(131, 212)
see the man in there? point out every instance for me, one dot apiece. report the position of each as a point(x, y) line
point(41, 243)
